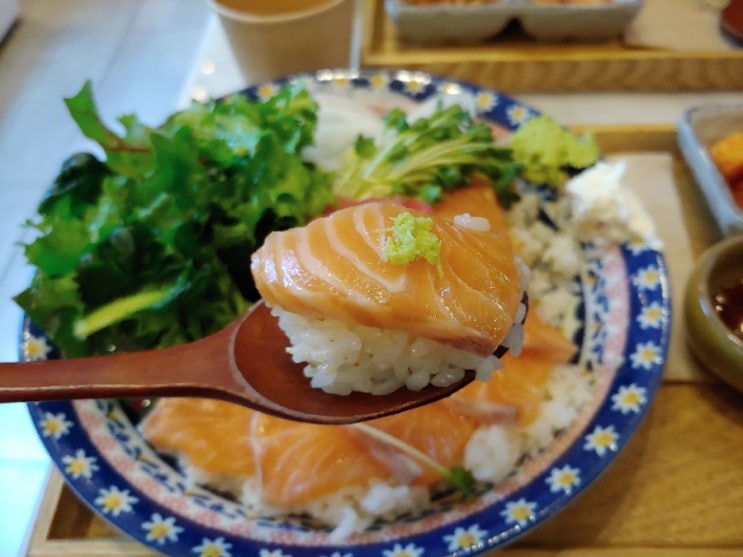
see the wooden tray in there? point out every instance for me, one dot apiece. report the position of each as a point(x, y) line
point(675, 491)
point(514, 63)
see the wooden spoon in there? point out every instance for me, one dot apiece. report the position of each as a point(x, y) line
point(246, 363)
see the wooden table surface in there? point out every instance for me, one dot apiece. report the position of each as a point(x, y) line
point(675, 490)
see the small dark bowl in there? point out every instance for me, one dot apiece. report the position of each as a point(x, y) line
point(711, 340)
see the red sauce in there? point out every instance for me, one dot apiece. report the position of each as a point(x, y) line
point(731, 19)
point(729, 306)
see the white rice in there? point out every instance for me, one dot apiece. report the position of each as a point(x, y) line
point(341, 358)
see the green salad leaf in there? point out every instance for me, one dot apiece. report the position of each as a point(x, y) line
point(427, 157)
point(150, 246)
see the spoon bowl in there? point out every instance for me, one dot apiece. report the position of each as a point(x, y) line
point(246, 363)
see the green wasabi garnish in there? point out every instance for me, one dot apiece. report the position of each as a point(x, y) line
point(412, 238)
point(547, 150)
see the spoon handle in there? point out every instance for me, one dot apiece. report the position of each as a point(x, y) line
point(180, 370)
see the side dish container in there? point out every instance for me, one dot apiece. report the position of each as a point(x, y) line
point(475, 22)
point(698, 128)
point(712, 339)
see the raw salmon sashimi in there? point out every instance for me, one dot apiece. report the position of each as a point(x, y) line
point(477, 199)
point(335, 268)
point(186, 427)
point(300, 463)
point(519, 384)
point(438, 430)
point(222, 443)
point(297, 463)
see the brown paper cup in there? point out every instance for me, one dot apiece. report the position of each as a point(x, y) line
point(270, 46)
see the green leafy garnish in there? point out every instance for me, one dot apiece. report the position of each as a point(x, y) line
point(457, 477)
point(426, 158)
point(547, 150)
point(412, 238)
point(150, 246)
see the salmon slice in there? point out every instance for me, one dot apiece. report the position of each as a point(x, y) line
point(296, 462)
point(541, 338)
point(520, 383)
point(477, 199)
point(335, 268)
point(211, 435)
point(436, 429)
point(302, 462)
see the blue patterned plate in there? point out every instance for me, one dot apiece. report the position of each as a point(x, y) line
point(625, 314)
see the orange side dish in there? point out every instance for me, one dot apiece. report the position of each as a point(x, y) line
point(727, 154)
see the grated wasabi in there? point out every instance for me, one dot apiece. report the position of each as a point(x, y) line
point(546, 150)
point(412, 238)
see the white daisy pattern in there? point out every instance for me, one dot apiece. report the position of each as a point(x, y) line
point(114, 501)
point(637, 245)
point(379, 81)
point(647, 278)
point(398, 550)
point(415, 85)
point(563, 479)
point(55, 425)
point(80, 465)
point(267, 90)
point(486, 101)
point(651, 316)
point(518, 114)
point(161, 529)
point(646, 355)
point(339, 554)
point(35, 348)
point(465, 538)
point(602, 440)
point(629, 399)
point(217, 547)
point(519, 512)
